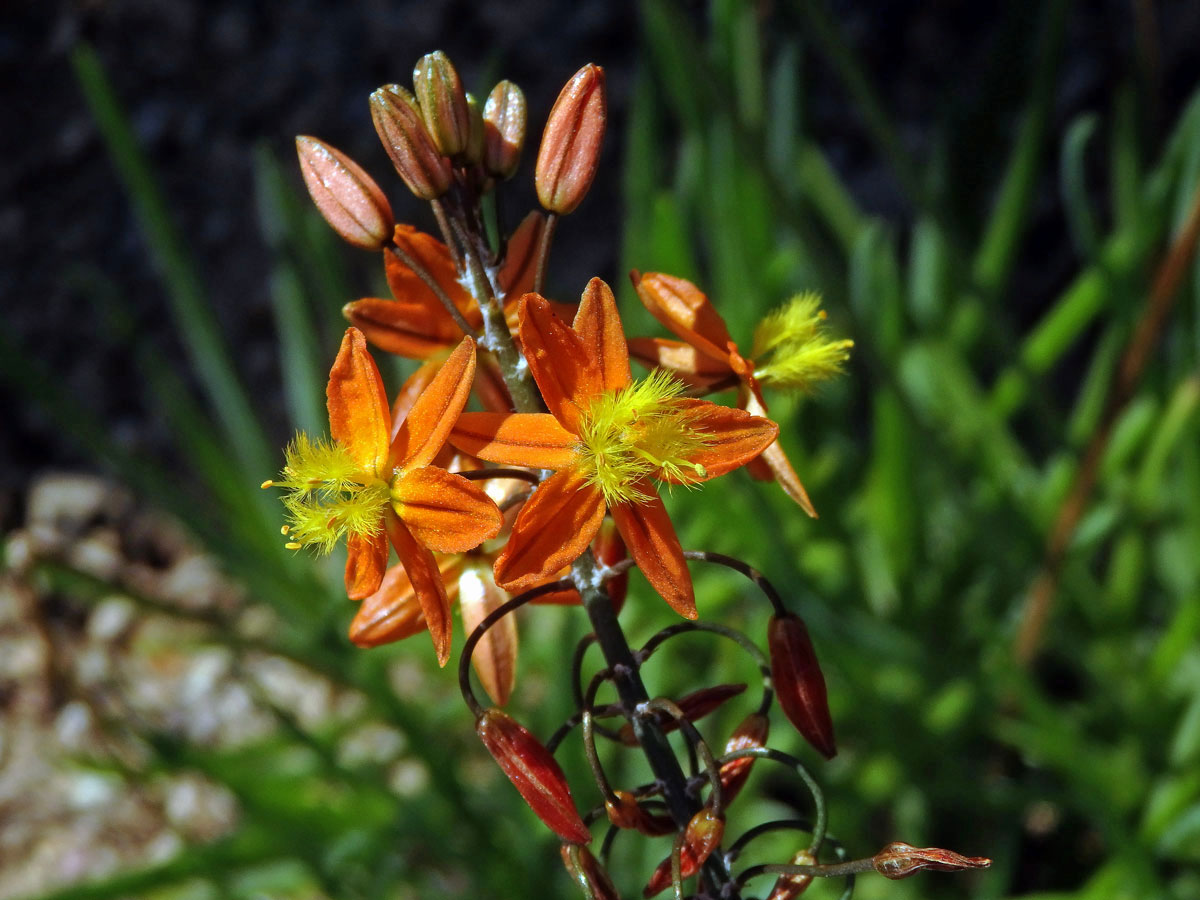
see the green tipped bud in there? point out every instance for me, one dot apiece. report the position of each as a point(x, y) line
point(442, 101)
point(475, 137)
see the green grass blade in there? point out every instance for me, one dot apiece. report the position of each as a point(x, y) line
point(1081, 221)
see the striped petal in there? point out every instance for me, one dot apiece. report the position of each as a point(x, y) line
point(408, 329)
point(654, 546)
point(686, 311)
point(553, 528)
point(434, 412)
point(733, 436)
point(565, 372)
point(426, 580)
point(359, 418)
point(598, 324)
point(516, 439)
point(445, 512)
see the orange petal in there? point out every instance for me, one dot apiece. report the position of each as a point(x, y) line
point(520, 256)
point(366, 558)
point(358, 409)
point(435, 257)
point(552, 529)
point(495, 656)
point(559, 360)
point(426, 580)
point(776, 464)
point(652, 543)
point(515, 439)
point(412, 388)
point(734, 437)
point(597, 322)
point(390, 614)
point(683, 308)
point(681, 358)
point(433, 414)
point(445, 512)
point(411, 330)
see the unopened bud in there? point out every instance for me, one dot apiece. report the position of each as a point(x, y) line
point(625, 811)
point(408, 144)
point(788, 887)
point(694, 706)
point(443, 104)
point(503, 130)
point(587, 872)
point(751, 734)
point(534, 773)
point(702, 836)
point(899, 860)
point(799, 683)
point(570, 149)
point(347, 197)
point(474, 150)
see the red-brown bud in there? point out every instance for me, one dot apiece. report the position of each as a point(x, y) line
point(347, 197)
point(752, 733)
point(587, 872)
point(570, 149)
point(899, 860)
point(799, 682)
point(627, 812)
point(788, 887)
point(702, 836)
point(503, 130)
point(694, 706)
point(534, 773)
point(442, 101)
point(408, 144)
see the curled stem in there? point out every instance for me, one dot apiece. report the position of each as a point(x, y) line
point(696, 740)
point(818, 830)
point(764, 667)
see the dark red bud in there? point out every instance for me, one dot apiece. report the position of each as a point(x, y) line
point(752, 733)
point(587, 872)
point(694, 706)
point(788, 887)
point(799, 682)
point(570, 149)
point(347, 197)
point(899, 860)
point(534, 773)
point(408, 144)
point(702, 836)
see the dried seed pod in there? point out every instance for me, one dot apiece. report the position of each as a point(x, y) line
point(750, 734)
point(788, 887)
point(570, 148)
point(899, 860)
point(347, 197)
point(503, 130)
point(534, 773)
point(799, 682)
point(702, 836)
point(587, 872)
point(443, 103)
point(694, 706)
point(407, 142)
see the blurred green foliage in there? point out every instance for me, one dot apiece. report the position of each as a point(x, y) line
point(938, 465)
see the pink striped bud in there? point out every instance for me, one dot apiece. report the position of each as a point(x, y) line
point(570, 149)
point(347, 197)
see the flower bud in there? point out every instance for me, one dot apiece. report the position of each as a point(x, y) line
point(408, 144)
point(627, 812)
point(347, 197)
point(799, 682)
point(899, 860)
point(702, 836)
point(788, 887)
point(442, 101)
point(503, 130)
point(534, 773)
point(495, 656)
point(587, 872)
point(570, 149)
point(752, 733)
point(694, 706)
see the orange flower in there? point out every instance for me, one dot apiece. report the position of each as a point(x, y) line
point(708, 359)
point(607, 438)
point(372, 488)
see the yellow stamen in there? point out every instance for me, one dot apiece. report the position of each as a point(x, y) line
point(800, 351)
point(639, 431)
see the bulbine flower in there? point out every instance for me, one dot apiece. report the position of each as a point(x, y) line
point(371, 488)
point(608, 439)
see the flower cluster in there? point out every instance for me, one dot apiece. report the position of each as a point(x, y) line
point(522, 460)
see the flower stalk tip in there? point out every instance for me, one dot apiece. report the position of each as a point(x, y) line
point(442, 102)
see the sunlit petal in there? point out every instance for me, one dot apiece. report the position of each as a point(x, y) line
point(654, 546)
point(366, 559)
point(359, 418)
point(428, 423)
point(426, 580)
point(685, 310)
point(733, 436)
point(445, 512)
point(515, 439)
point(563, 369)
point(598, 324)
point(408, 329)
